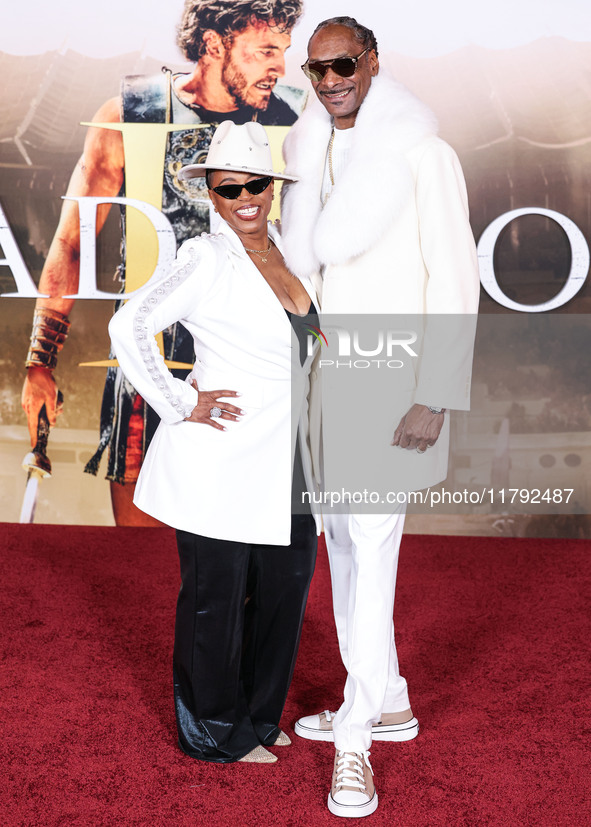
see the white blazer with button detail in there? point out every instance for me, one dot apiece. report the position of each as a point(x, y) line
point(233, 484)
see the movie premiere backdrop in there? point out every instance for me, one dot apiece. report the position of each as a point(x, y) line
point(510, 85)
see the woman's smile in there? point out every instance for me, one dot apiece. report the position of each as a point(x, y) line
point(248, 212)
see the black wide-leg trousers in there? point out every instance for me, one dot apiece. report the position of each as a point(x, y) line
point(239, 616)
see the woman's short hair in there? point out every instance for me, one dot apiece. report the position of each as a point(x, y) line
point(364, 35)
point(227, 17)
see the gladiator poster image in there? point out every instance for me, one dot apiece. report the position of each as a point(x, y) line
point(89, 213)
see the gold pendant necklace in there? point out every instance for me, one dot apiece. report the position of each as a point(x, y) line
point(262, 254)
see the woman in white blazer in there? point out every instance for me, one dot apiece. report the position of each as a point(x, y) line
point(219, 469)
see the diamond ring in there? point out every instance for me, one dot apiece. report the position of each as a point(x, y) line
point(215, 412)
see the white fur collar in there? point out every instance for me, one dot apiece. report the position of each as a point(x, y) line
point(373, 188)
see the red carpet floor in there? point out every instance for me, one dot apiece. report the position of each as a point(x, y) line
point(493, 638)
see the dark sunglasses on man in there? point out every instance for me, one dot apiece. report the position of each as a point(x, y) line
point(344, 67)
point(254, 187)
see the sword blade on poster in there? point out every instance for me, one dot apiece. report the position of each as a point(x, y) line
point(37, 464)
point(30, 498)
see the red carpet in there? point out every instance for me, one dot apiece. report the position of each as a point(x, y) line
point(493, 638)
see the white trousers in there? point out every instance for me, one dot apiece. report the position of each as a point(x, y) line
point(363, 555)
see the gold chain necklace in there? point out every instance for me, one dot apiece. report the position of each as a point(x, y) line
point(262, 254)
point(330, 169)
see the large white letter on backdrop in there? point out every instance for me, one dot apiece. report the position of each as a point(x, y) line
point(579, 264)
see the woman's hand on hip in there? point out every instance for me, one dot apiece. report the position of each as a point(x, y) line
point(212, 406)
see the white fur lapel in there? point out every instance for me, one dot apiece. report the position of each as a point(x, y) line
point(373, 189)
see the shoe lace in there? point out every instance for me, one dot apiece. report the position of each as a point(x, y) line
point(328, 715)
point(349, 769)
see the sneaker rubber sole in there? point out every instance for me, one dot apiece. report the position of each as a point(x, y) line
point(389, 732)
point(353, 810)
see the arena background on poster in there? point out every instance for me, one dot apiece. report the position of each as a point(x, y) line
point(509, 86)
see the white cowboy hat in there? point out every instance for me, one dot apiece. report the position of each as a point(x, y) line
point(239, 148)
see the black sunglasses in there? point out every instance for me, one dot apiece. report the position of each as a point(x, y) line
point(254, 187)
point(345, 67)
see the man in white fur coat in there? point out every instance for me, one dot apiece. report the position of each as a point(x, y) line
point(379, 216)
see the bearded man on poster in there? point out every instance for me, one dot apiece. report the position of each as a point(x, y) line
point(238, 49)
point(380, 210)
